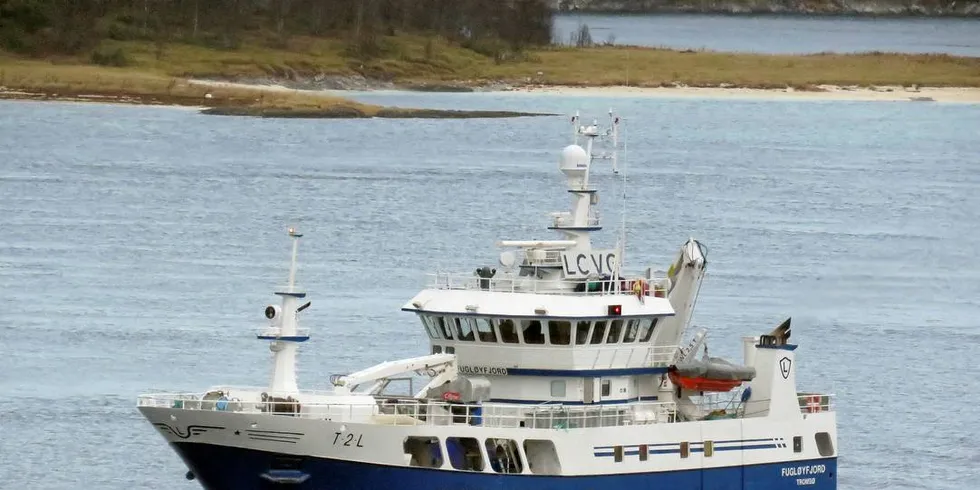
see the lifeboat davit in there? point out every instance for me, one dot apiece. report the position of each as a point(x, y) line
point(713, 374)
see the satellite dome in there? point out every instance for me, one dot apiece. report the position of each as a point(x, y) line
point(573, 157)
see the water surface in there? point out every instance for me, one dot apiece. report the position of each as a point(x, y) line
point(140, 245)
point(780, 34)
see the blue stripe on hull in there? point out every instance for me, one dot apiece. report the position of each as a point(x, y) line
point(226, 468)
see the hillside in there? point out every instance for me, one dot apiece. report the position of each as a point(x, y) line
point(162, 54)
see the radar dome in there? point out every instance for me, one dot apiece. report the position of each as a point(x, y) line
point(573, 157)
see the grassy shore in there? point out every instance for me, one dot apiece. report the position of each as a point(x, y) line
point(154, 75)
point(419, 60)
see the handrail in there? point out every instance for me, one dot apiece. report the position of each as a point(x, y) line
point(525, 284)
point(427, 412)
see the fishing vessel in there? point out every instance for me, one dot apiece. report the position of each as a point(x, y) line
point(555, 368)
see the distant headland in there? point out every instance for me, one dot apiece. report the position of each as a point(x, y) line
point(276, 58)
point(929, 8)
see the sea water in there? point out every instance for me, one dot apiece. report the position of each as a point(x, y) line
point(139, 247)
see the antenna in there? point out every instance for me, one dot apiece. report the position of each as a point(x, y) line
point(614, 123)
point(295, 235)
point(575, 129)
point(622, 250)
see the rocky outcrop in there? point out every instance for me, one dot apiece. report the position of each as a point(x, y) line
point(959, 8)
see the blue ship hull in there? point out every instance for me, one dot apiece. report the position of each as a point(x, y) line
point(227, 468)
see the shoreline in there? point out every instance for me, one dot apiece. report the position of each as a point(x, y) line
point(962, 95)
point(885, 93)
point(827, 93)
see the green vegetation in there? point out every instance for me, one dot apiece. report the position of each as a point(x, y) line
point(417, 61)
point(146, 51)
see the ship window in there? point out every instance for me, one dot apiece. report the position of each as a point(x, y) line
point(463, 329)
point(423, 451)
point(797, 444)
point(582, 333)
point(437, 349)
point(685, 449)
point(615, 331)
point(464, 453)
point(646, 329)
point(485, 330)
point(430, 327)
point(644, 452)
point(542, 459)
point(533, 333)
point(504, 456)
point(598, 333)
point(618, 453)
point(824, 444)
point(450, 349)
point(632, 328)
point(605, 387)
point(558, 388)
point(441, 323)
point(508, 332)
point(709, 448)
point(560, 332)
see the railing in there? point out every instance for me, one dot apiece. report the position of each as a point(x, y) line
point(424, 412)
point(816, 402)
point(566, 220)
point(525, 284)
point(660, 356)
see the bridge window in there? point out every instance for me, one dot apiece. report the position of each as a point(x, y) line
point(504, 456)
point(598, 332)
point(533, 333)
point(632, 329)
point(430, 327)
point(463, 329)
point(423, 451)
point(443, 327)
point(542, 458)
point(560, 332)
point(615, 331)
point(464, 453)
point(485, 330)
point(582, 333)
point(508, 332)
point(646, 329)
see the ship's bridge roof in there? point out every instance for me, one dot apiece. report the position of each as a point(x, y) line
point(508, 304)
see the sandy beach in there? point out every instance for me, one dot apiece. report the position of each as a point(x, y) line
point(966, 95)
point(963, 95)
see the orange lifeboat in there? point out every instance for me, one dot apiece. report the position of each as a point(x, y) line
point(712, 374)
point(703, 384)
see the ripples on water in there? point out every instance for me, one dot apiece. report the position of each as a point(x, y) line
point(797, 34)
point(139, 246)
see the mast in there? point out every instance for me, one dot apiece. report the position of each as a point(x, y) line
point(283, 332)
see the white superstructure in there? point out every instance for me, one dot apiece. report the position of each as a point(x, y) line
point(558, 368)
